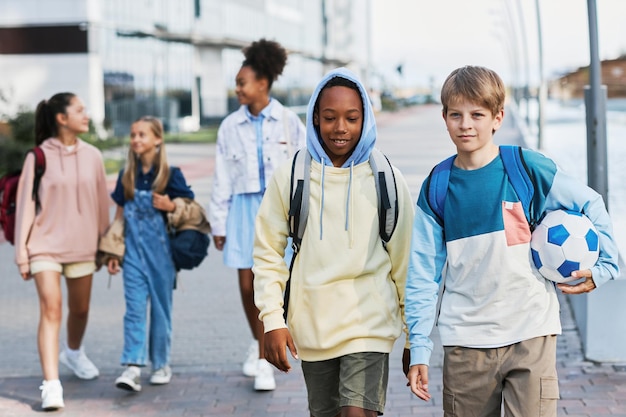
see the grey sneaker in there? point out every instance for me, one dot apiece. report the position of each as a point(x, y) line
point(80, 365)
point(51, 395)
point(161, 376)
point(130, 379)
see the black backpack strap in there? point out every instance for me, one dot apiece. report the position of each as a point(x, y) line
point(387, 192)
point(40, 169)
point(299, 196)
point(287, 292)
point(298, 210)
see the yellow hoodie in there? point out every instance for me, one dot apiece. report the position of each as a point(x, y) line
point(347, 290)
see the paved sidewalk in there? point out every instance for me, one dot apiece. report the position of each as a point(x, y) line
point(210, 334)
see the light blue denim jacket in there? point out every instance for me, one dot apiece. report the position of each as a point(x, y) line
point(236, 158)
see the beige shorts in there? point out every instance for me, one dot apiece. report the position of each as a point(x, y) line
point(522, 376)
point(69, 270)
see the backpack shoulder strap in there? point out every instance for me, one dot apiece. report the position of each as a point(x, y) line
point(40, 168)
point(387, 192)
point(515, 167)
point(520, 178)
point(299, 191)
point(437, 187)
point(298, 211)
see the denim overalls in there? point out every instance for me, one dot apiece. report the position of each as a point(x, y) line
point(148, 276)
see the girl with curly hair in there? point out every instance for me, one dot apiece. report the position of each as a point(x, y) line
point(251, 143)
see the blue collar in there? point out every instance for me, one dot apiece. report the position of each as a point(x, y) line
point(264, 114)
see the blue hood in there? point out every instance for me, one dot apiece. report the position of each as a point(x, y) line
point(362, 150)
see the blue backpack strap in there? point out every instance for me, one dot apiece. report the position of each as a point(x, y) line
point(520, 178)
point(437, 187)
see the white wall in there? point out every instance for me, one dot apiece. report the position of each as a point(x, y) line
point(28, 79)
point(208, 66)
point(601, 323)
point(21, 12)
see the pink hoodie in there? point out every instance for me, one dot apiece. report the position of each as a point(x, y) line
point(74, 206)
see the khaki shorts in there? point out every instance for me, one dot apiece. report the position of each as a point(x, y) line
point(521, 377)
point(354, 380)
point(69, 270)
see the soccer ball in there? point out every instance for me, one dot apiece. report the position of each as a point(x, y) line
point(564, 241)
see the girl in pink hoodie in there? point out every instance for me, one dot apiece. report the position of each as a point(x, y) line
point(61, 236)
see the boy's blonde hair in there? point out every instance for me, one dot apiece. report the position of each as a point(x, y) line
point(161, 167)
point(476, 84)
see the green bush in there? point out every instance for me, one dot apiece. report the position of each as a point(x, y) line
point(22, 137)
point(389, 103)
point(204, 135)
point(12, 155)
point(23, 127)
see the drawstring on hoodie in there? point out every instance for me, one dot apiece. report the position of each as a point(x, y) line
point(77, 178)
point(62, 158)
point(349, 203)
point(350, 206)
point(322, 205)
point(348, 200)
point(60, 148)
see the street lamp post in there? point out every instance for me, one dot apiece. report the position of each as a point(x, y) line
point(603, 340)
point(522, 24)
point(541, 97)
point(509, 40)
point(595, 105)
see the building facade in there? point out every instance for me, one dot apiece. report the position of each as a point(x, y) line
point(572, 85)
point(176, 59)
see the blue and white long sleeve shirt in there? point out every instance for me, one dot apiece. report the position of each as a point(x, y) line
point(493, 295)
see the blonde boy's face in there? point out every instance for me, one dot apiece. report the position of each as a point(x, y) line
point(471, 126)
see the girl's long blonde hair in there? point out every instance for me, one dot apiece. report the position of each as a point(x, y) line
point(161, 167)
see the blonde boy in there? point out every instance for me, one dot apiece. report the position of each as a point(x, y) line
point(499, 317)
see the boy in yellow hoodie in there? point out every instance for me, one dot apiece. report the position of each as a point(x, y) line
point(347, 288)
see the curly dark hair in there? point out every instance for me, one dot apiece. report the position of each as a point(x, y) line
point(266, 58)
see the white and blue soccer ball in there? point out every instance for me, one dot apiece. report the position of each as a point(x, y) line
point(563, 242)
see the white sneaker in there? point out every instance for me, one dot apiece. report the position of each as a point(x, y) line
point(79, 364)
point(51, 395)
point(252, 359)
point(161, 376)
point(264, 379)
point(130, 379)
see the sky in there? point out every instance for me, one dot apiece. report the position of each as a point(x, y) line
point(430, 38)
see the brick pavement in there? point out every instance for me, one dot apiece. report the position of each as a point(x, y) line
point(210, 334)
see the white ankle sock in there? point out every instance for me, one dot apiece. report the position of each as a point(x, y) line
point(52, 382)
point(72, 353)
